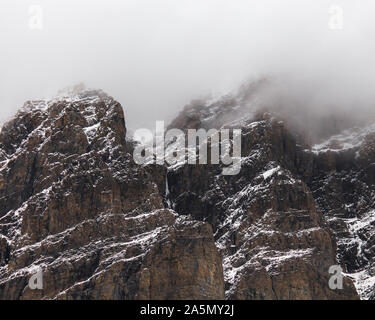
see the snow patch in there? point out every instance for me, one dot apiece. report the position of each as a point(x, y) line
point(348, 139)
point(91, 131)
point(270, 172)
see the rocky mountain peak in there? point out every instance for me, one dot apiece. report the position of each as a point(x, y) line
point(74, 204)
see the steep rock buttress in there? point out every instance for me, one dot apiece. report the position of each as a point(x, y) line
point(73, 203)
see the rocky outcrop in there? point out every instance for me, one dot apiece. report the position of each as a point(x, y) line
point(73, 203)
point(274, 241)
point(274, 238)
point(344, 186)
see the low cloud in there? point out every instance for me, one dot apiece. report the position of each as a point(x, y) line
point(155, 56)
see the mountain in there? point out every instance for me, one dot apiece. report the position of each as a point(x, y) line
point(296, 208)
point(74, 203)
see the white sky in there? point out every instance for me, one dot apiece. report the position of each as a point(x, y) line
point(153, 56)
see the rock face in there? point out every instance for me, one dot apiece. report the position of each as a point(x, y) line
point(295, 209)
point(73, 203)
point(274, 240)
point(344, 187)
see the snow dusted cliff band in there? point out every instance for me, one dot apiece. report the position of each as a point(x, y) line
point(170, 147)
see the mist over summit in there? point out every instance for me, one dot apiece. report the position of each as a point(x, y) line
point(82, 219)
point(156, 57)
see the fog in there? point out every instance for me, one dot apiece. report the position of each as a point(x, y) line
point(154, 56)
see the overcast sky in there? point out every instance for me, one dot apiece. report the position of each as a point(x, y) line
point(153, 56)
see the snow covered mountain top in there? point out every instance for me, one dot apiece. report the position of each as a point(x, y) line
point(348, 139)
